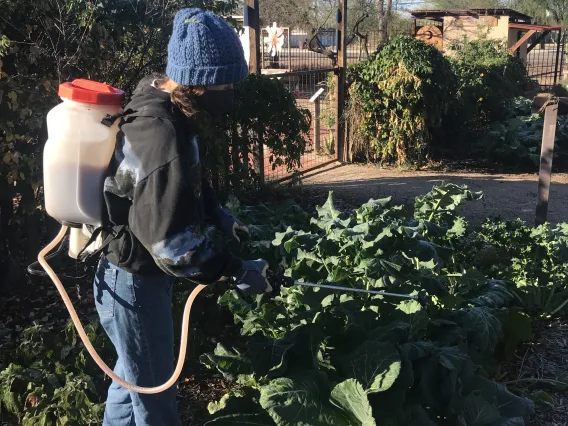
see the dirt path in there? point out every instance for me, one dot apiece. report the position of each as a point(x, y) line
point(508, 196)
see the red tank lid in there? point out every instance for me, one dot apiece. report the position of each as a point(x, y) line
point(91, 92)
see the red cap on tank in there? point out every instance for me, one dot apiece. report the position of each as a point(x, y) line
point(91, 92)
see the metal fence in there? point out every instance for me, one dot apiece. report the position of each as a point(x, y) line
point(306, 65)
point(303, 52)
point(300, 52)
point(312, 92)
point(360, 47)
point(546, 62)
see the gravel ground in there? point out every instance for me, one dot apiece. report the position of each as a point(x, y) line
point(508, 196)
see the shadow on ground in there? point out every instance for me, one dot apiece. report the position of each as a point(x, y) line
point(508, 196)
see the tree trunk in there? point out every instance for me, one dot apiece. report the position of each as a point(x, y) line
point(384, 8)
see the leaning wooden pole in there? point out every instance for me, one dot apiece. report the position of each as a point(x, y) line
point(546, 155)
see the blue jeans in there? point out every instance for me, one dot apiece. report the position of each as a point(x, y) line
point(136, 313)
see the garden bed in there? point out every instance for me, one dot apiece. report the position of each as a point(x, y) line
point(531, 371)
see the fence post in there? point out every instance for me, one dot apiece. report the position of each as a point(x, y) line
point(340, 79)
point(546, 154)
point(315, 99)
point(252, 20)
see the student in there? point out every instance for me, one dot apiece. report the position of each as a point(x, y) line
point(156, 188)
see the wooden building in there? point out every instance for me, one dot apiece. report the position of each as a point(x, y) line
point(447, 28)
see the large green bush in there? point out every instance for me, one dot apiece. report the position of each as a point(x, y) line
point(489, 79)
point(408, 96)
point(402, 93)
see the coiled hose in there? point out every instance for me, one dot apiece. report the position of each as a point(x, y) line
point(77, 322)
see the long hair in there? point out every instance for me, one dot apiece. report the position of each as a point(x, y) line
point(185, 98)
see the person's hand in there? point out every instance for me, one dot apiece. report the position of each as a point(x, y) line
point(232, 227)
point(251, 277)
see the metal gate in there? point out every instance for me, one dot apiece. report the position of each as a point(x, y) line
point(306, 67)
point(546, 59)
point(312, 91)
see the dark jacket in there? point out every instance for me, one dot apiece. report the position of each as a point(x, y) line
point(155, 186)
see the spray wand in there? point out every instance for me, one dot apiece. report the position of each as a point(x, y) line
point(333, 286)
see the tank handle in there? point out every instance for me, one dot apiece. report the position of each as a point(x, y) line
point(94, 86)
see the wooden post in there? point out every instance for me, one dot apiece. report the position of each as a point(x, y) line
point(340, 79)
point(546, 154)
point(315, 99)
point(520, 41)
point(252, 20)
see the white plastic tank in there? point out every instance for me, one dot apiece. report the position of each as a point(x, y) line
point(78, 151)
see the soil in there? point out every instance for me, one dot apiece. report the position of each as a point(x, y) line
point(539, 371)
point(507, 196)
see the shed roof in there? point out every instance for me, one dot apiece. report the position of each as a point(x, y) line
point(438, 13)
point(535, 27)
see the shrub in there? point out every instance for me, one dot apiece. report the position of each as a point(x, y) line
point(51, 379)
point(403, 92)
point(265, 112)
point(489, 78)
point(516, 140)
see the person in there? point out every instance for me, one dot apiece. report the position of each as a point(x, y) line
point(155, 188)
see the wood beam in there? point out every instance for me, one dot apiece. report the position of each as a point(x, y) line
point(522, 40)
point(537, 40)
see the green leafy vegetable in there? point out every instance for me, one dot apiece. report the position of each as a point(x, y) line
point(320, 356)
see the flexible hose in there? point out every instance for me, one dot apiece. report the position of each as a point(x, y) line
point(108, 371)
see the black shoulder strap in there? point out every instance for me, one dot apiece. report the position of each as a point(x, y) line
point(149, 111)
point(111, 234)
point(146, 111)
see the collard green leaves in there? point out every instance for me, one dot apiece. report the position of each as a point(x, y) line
point(350, 396)
point(320, 356)
point(238, 408)
point(301, 400)
point(375, 365)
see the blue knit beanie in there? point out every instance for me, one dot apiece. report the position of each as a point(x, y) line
point(204, 50)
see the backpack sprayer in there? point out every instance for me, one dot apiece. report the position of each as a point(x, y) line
point(75, 161)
